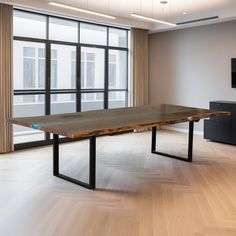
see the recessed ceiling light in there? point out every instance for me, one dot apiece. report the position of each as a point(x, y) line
point(184, 13)
point(152, 19)
point(81, 10)
point(163, 2)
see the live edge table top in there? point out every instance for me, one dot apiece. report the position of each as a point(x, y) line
point(95, 123)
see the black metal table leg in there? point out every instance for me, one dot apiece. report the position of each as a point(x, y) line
point(92, 164)
point(190, 145)
point(190, 141)
point(154, 131)
point(55, 155)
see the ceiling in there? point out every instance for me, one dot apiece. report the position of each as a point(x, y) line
point(171, 12)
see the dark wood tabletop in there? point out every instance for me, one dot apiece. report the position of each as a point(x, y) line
point(95, 123)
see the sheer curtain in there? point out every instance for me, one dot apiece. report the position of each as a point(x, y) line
point(6, 89)
point(139, 65)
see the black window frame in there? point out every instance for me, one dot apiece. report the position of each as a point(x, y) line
point(47, 91)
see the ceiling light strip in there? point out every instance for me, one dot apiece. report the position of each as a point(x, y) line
point(81, 10)
point(152, 19)
point(198, 20)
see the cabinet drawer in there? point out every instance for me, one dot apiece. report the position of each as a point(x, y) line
point(220, 106)
point(222, 120)
point(221, 129)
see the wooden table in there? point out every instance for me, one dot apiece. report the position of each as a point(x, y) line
point(95, 123)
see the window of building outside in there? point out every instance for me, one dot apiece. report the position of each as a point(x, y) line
point(73, 69)
point(41, 67)
point(112, 71)
point(54, 68)
point(55, 71)
point(29, 72)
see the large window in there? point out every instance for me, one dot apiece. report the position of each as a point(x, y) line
point(63, 65)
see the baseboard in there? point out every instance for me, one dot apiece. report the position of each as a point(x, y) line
point(180, 130)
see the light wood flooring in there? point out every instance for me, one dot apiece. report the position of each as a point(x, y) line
point(139, 193)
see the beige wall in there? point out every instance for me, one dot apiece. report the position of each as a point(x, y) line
point(192, 66)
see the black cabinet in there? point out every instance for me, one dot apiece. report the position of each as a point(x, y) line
point(221, 129)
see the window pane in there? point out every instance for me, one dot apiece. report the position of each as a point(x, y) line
point(117, 99)
point(117, 69)
point(28, 105)
point(29, 65)
point(63, 103)
point(63, 30)
point(92, 68)
point(63, 67)
point(29, 25)
point(93, 34)
point(92, 101)
point(118, 37)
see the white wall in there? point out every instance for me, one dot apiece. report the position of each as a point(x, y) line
point(192, 66)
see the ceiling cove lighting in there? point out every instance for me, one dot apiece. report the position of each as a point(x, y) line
point(81, 10)
point(152, 19)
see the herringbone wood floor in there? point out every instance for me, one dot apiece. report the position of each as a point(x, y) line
point(139, 193)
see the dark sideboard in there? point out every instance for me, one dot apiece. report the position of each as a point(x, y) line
point(221, 129)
